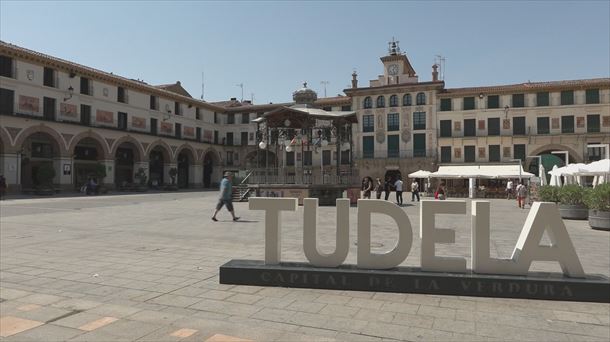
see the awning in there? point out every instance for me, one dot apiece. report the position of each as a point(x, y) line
point(502, 171)
point(420, 174)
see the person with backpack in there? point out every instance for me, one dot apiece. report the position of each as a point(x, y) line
point(521, 194)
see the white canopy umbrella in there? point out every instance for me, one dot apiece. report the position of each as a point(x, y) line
point(420, 174)
point(555, 176)
point(542, 174)
point(600, 167)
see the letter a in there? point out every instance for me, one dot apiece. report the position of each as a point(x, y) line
point(273, 223)
point(545, 216)
point(310, 217)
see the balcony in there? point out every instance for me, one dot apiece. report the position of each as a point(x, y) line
point(385, 154)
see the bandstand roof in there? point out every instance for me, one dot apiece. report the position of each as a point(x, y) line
point(299, 113)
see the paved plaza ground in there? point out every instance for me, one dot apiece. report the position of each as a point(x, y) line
point(145, 268)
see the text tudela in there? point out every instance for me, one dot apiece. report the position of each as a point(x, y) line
point(543, 217)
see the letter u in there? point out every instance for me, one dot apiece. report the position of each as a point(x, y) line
point(310, 246)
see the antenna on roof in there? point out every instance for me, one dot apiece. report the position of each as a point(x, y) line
point(252, 98)
point(241, 85)
point(440, 61)
point(324, 83)
point(202, 84)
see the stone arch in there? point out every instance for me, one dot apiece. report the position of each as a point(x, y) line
point(95, 136)
point(167, 150)
point(193, 154)
point(211, 167)
point(215, 154)
point(129, 139)
point(577, 157)
point(5, 141)
point(59, 140)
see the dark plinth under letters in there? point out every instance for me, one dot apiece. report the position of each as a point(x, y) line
point(548, 286)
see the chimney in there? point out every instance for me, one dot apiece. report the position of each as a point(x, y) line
point(354, 79)
point(434, 73)
point(234, 99)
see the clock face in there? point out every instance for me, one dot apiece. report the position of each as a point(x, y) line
point(393, 69)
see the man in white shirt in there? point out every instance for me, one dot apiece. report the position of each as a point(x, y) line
point(414, 191)
point(398, 187)
point(509, 189)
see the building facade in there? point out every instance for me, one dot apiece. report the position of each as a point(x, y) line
point(74, 118)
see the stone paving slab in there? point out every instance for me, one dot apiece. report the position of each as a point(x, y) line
point(150, 262)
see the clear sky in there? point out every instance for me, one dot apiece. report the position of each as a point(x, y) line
point(272, 46)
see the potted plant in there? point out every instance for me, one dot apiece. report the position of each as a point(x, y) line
point(598, 202)
point(100, 174)
point(173, 172)
point(141, 178)
point(548, 193)
point(44, 176)
point(571, 202)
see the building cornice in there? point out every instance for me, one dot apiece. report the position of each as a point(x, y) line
point(396, 88)
point(529, 87)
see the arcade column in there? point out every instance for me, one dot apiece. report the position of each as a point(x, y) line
point(9, 167)
point(166, 177)
point(195, 176)
point(64, 173)
point(109, 179)
point(141, 165)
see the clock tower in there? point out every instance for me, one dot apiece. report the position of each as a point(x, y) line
point(396, 67)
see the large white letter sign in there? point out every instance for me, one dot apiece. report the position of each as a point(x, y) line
point(430, 236)
point(481, 261)
point(393, 258)
point(545, 216)
point(273, 224)
point(310, 216)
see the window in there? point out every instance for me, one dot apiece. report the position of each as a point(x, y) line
point(122, 121)
point(7, 101)
point(469, 156)
point(592, 96)
point(518, 100)
point(393, 101)
point(445, 105)
point(48, 78)
point(406, 100)
point(445, 154)
point(368, 103)
point(594, 153)
point(593, 123)
point(542, 99)
point(245, 118)
point(345, 157)
point(494, 153)
point(229, 158)
point(519, 125)
point(85, 86)
point(419, 120)
point(419, 145)
point(326, 157)
point(230, 119)
point(85, 115)
point(347, 108)
point(445, 128)
point(519, 152)
point(380, 102)
point(393, 122)
point(567, 97)
point(470, 129)
point(567, 124)
point(368, 123)
point(542, 125)
point(6, 66)
point(229, 140)
point(216, 118)
point(122, 95)
point(468, 103)
point(420, 99)
point(197, 114)
point(493, 101)
point(198, 133)
point(290, 158)
point(393, 146)
point(177, 108)
point(244, 138)
point(368, 147)
point(178, 131)
point(48, 108)
point(307, 158)
point(154, 102)
point(493, 126)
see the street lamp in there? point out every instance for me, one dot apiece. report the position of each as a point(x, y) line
point(518, 160)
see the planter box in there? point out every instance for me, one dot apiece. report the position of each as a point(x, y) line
point(573, 212)
point(599, 219)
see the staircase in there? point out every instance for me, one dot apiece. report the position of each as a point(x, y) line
point(241, 193)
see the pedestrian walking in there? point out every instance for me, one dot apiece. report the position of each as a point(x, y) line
point(386, 187)
point(378, 188)
point(440, 192)
point(398, 187)
point(226, 196)
point(521, 194)
point(509, 189)
point(414, 191)
point(2, 186)
point(367, 187)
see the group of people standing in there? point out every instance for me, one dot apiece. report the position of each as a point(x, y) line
point(389, 185)
point(520, 192)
